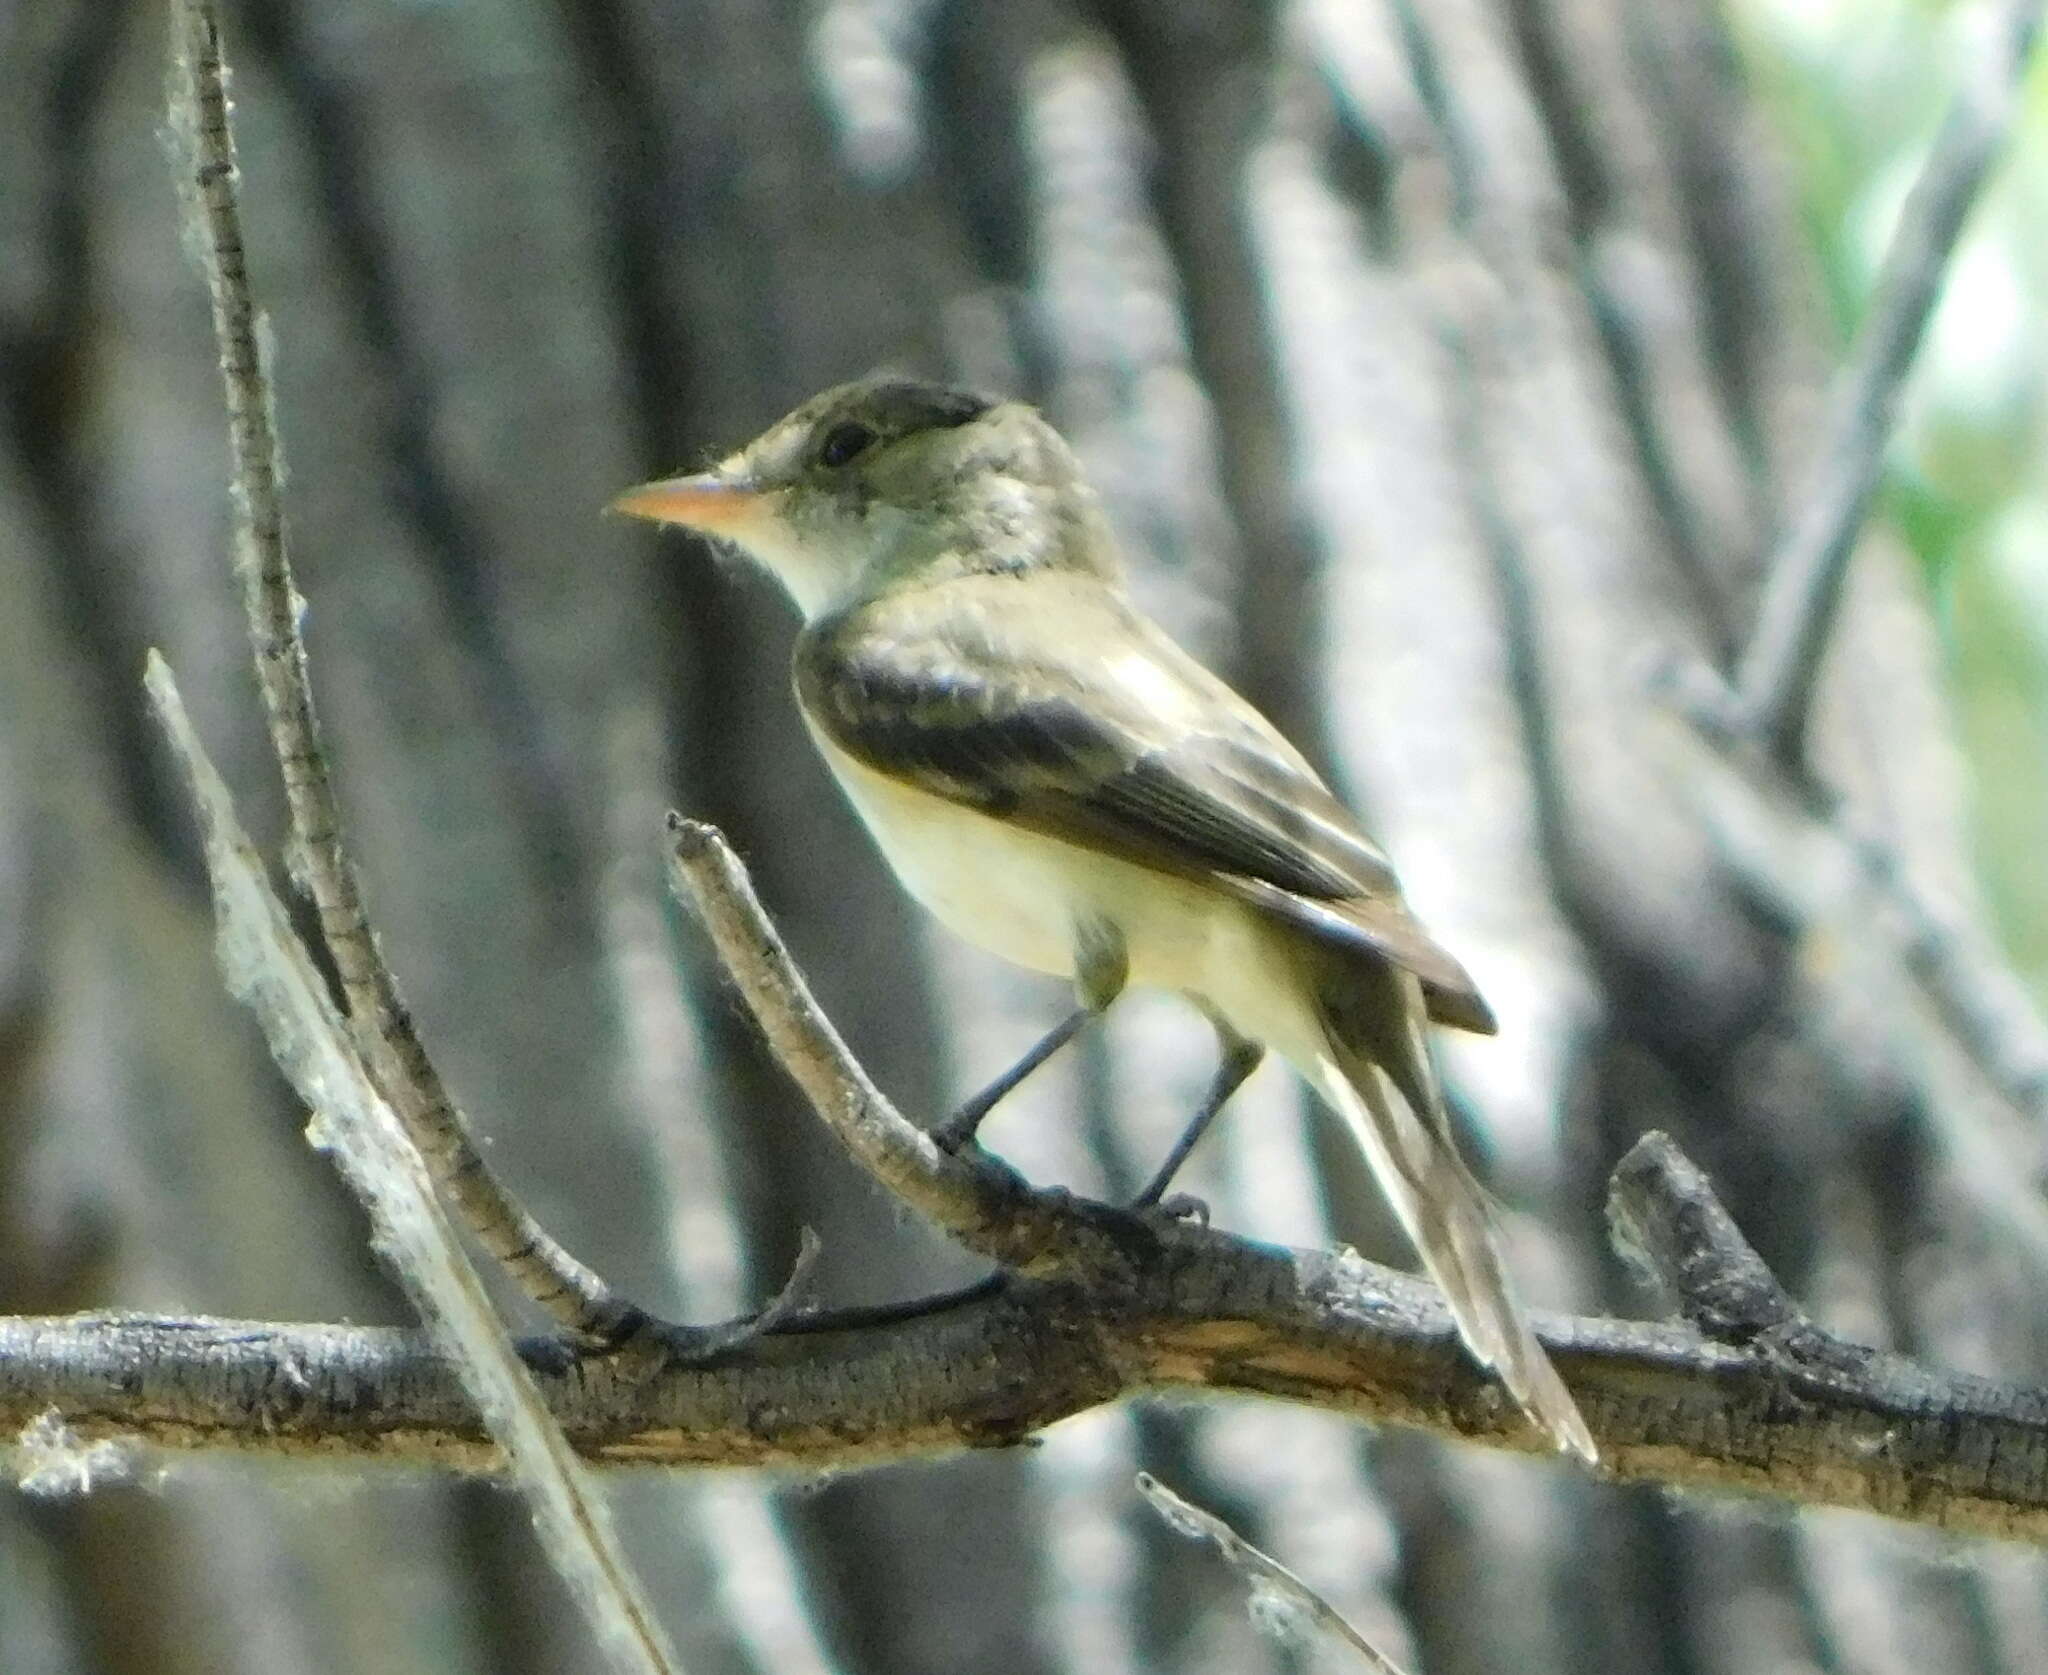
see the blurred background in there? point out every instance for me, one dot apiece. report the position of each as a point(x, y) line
point(1447, 368)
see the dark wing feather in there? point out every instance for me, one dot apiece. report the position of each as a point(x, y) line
point(1177, 785)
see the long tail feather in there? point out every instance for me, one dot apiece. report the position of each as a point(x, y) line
point(1447, 1216)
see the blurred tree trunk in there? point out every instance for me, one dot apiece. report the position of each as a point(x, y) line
point(1444, 366)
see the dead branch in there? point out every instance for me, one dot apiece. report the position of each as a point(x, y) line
point(973, 1197)
point(576, 1297)
point(1804, 1419)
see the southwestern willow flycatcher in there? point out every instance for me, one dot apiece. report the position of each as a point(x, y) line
point(1058, 781)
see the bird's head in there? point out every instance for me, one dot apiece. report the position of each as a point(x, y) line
point(889, 482)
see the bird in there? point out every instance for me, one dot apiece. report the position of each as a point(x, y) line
point(1059, 781)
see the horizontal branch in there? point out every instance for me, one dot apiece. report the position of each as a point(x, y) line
point(1195, 1310)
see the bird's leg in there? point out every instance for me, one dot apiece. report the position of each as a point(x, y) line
point(959, 1128)
point(1100, 970)
point(1240, 1058)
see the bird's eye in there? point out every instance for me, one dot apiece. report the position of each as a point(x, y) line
point(845, 442)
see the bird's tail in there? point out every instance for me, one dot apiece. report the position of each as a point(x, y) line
point(1375, 1071)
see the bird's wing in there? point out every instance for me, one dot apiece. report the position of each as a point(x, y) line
point(1159, 763)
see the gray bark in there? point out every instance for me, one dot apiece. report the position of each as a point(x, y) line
point(1443, 365)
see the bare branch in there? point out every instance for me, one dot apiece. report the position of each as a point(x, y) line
point(1663, 1214)
point(1775, 682)
point(983, 1204)
point(1200, 1311)
point(267, 967)
point(1280, 1601)
point(576, 1297)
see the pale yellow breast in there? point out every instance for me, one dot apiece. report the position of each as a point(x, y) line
point(1021, 895)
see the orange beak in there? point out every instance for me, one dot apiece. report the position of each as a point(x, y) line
point(712, 502)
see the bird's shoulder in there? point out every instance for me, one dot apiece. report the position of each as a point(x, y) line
point(971, 688)
point(1068, 651)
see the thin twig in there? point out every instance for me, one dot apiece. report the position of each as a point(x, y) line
point(976, 1200)
point(1281, 1603)
point(267, 967)
point(708, 1343)
point(320, 865)
point(1776, 679)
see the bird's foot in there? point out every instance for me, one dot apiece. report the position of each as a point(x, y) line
point(1179, 1206)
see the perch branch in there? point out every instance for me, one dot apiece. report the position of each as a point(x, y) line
point(1776, 679)
point(971, 1196)
point(1815, 1422)
point(577, 1298)
point(1107, 1303)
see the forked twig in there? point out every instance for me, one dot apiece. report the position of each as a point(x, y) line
point(575, 1296)
point(971, 1197)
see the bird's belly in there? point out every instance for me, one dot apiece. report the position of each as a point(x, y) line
point(1028, 898)
point(997, 885)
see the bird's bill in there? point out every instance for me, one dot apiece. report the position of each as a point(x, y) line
point(714, 502)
